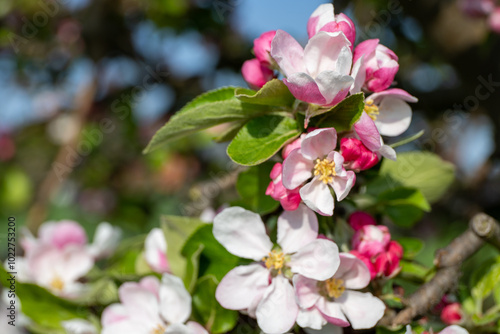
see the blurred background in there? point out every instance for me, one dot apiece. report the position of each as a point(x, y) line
point(84, 84)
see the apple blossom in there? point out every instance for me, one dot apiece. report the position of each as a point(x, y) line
point(367, 132)
point(452, 314)
point(263, 288)
point(155, 251)
point(380, 62)
point(324, 19)
point(318, 73)
point(334, 301)
point(256, 74)
point(151, 307)
point(494, 20)
point(371, 240)
point(356, 155)
point(317, 159)
point(289, 199)
point(262, 48)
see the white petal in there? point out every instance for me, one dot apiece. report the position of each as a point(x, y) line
point(454, 329)
point(297, 228)
point(318, 260)
point(353, 271)
point(296, 169)
point(306, 290)
point(359, 74)
point(328, 52)
point(318, 197)
point(288, 53)
point(241, 286)
point(175, 301)
point(178, 328)
point(319, 143)
point(362, 309)
point(311, 318)
point(387, 152)
point(333, 312)
point(106, 239)
point(141, 305)
point(278, 309)
point(394, 117)
point(78, 326)
point(334, 86)
point(342, 185)
point(155, 251)
point(242, 233)
point(76, 263)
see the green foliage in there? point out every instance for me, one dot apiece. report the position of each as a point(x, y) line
point(101, 292)
point(485, 284)
point(342, 116)
point(251, 186)
point(411, 247)
point(422, 170)
point(261, 138)
point(413, 271)
point(273, 93)
point(405, 206)
point(208, 311)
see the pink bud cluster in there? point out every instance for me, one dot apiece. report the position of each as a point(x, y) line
point(259, 70)
point(373, 245)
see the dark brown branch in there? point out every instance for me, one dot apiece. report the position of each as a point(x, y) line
point(482, 228)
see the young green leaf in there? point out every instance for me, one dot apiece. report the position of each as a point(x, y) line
point(273, 93)
point(342, 116)
point(261, 138)
point(404, 206)
point(411, 247)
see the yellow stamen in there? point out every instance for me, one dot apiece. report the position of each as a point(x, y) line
point(326, 169)
point(334, 287)
point(371, 109)
point(275, 260)
point(159, 329)
point(57, 284)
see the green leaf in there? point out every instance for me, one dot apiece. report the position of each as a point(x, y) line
point(177, 231)
point(411, 247)
point(487, 283)
point(204, 113)
point(422, 170)
point(101, 292)
point(216, 95)
point(43, 307)
point(208, 311)
point(273, 93)
point(230, 132)
point(193, 268)
point(404, 206)
point(341, 117)
point(214, 258)
point(413, 271)
point(261, 138)
point(251, 186)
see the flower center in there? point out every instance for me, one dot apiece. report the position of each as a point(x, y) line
point(371, 109)
point(57, 283)
point(275, 260)
point(325, 169)
point(334, 287)
point(159, 329)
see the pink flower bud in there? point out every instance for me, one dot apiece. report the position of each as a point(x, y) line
point(381, 64)
point(494, 20)
point(387, 263)
point(359, 219)
point(367, 262)
point(477, 8)
point(324, 19)
point(262, 48)
point(452, 314)
point(289, 199)
point(292, 146)
point(371, 240)
point(256, 74)
point(356, 155)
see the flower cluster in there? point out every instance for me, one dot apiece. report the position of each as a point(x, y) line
point(303, 279)
point(373, 245)
point(321, 75)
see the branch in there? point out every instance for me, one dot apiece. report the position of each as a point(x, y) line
point(482, 228)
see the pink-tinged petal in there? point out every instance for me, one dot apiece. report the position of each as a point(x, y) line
point(141, 304)
point(318, 260)
point(328, 52)
point(347, 27)
point(366, 260)
point(78, 326)
point(155, 251)
point(151, 283)
point(319, 18)
point(73, 264)
point(394, 117)
point(452, 314)
point(332, 312)
point(454, 330)
point(367, 132)
point(319, 143)
point(353, 272)
point(296, 169)
point(276, 171)
point(357, 156)
point(306, 291)
point(175, 300)
point(395, 93)
point(63, 233)
point(240, 287)
point(383, 78)
point(242, 233)
point(342, 185)
point(292, 146)
point(278, 309)
point(287, 53)
point(362, 309)
point(359, 74)
point(311, 318)
point(371, 240)
point(339, 163)
point(359, 219)
point(318, 197)
point(114, 313)
point(297, 229)
point(387, 152)
point(196, 328)
point(304, 88)
point(494, 20)
point(262, 47)
point(106, 239)
point(365, 48)
point(334, 86)
point(256, 74)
